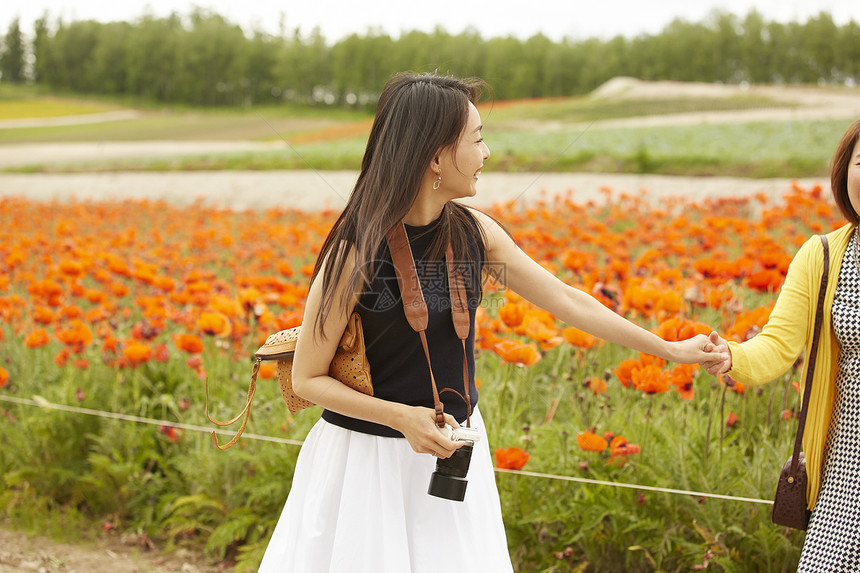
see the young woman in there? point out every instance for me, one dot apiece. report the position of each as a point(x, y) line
point(359, 498)
point(831, 438)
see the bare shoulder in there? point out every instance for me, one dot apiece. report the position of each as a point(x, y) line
point(492, 231)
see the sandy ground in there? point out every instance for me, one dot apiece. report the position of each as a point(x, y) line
point(22, 554)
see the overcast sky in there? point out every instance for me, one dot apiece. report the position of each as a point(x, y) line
point(576, 19)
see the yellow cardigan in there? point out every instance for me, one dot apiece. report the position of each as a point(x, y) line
point(788, 331)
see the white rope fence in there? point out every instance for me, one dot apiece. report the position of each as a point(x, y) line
point(40, 402)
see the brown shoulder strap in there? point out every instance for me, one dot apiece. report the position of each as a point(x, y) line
point(462, 322)
point(415, 307)
point(813, 352)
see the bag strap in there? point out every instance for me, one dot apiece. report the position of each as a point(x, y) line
point(245, 413)
point(813, 352)
point(415, 308)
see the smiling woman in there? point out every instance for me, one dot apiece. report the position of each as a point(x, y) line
point(360, 500)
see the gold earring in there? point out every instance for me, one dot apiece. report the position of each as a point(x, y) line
point(438, 182)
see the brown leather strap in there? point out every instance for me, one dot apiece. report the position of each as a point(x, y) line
point(807, 390)
point(462, 321)
point(415, 308)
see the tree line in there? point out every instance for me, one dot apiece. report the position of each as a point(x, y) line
point(203, 59)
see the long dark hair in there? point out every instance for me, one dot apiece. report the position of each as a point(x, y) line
point(839, 172)
point(417, 115)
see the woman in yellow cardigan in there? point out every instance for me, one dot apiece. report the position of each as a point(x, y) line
point(831, 440)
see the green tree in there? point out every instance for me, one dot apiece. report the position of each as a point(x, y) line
point(151, 58)
point(106, 70)
point(12, 58)
point(41, 47)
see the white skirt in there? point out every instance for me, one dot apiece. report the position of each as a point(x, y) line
point(359, 503)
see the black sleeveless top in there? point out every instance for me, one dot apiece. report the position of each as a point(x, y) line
point(398, 367)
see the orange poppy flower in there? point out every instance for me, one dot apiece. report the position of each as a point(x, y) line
point(576, 337)
point(190, 343)
point(576, 260)
point(268, 370)
point(37, 338)
point(119, 290)
point(285, 268)
point(624, 371)
point(195, 362)
point(647, 359)
point(95, 296)
point(516, 352)
point(147, 330)
point(4, 377)
point(226, 306)
point(289, 319)
point(765, 281)
point(137, 353)
point(650, 379)
point(537, 329)
point(43, 315)
point(78, 335)
point(512, 314)
point(71, 311)
point(620, 448)
point(62, 357)
point(597, 385)
point(110, 343)
point(72, 269)
point(249, 298)
point(669, 302)
point(511, 458)
point(731, 419)
point(214, 324)
point(591, 442)
point(161, 353)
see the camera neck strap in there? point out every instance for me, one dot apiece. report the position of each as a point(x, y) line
point(415, 308)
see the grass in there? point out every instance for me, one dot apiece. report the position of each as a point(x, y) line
point(765, 149)
point(585, 109)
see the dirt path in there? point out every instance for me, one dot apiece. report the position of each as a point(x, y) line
point(115, 554)
point(310, 190)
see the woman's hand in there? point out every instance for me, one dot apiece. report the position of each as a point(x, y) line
point(722, 356)
point(418, 426)
point(699, 349)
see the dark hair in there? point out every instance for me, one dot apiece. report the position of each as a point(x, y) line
point(839, 172)
point(416, 116)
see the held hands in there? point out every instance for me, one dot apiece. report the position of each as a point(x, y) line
point(718, 348)
point(699, 349)
point(418, 426)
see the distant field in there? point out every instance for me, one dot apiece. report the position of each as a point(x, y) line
point(50, 107)
point(268, 123)
point(553, 134)
point(766, 149)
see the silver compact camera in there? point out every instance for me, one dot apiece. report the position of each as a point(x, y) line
point(461, 434)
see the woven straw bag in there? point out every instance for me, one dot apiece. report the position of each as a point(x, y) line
point(349, 366)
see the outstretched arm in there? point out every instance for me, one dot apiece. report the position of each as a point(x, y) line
point(534, 283)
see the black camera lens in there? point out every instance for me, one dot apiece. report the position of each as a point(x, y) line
point(449, 479)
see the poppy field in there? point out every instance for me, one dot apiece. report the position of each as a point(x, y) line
point(130, 306)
